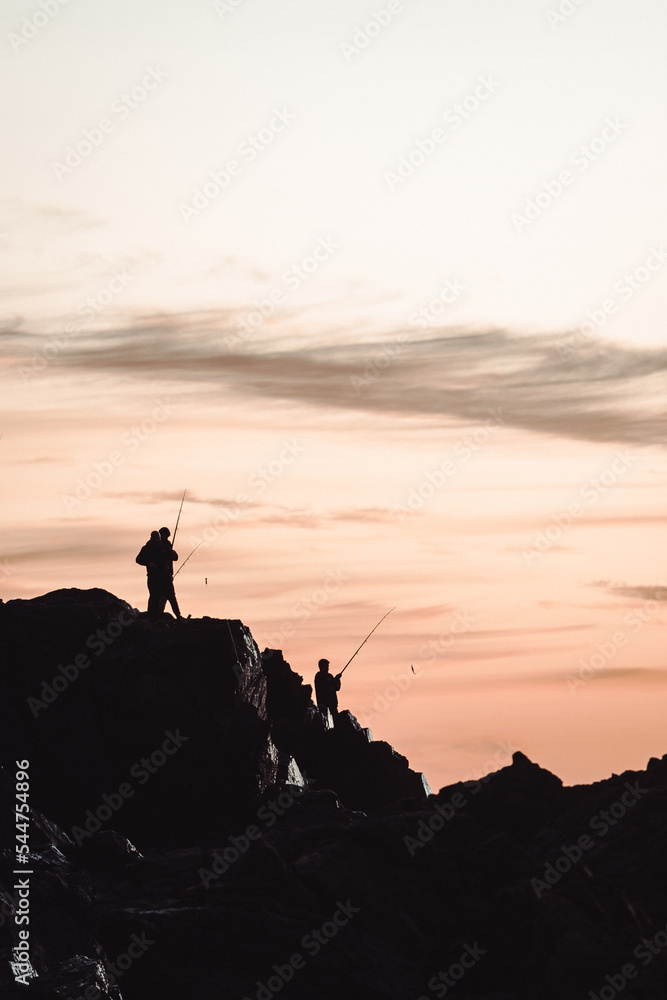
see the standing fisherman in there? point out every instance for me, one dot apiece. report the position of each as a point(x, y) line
point(158, 556)
point(152, 557)
point(326, 687)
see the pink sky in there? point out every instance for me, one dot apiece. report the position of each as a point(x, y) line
point(314, 525)
point(444, 395)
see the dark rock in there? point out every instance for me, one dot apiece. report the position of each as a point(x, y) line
point(271, 850)
point(110, 710)
point(368, 775)
point(107, 851)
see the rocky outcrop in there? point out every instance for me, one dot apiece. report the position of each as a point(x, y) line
point(66, 956)
point(270, 856)
point(175, 718)
point(366, 774)
point(174, 732)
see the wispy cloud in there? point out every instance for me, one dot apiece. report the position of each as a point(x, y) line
point(645, 675)
point(274, 513)
point(44, 460)
point(16, 213)
point(611, 393)
point(653, 592)
point(629, 676)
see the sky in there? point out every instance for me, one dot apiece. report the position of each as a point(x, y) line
point(382, 286)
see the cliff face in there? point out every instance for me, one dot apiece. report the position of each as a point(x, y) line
point(189, 722)
point(267, 855)
point(176, 719)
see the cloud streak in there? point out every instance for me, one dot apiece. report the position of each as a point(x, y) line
point(602, 393)
point(650, 593)
point(274, 513)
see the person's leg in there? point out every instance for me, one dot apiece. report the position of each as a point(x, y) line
point(171, 597)
point(172, 600)
point(158, 597)
point(153, 605)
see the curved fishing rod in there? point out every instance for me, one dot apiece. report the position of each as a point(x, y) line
point(365, 641)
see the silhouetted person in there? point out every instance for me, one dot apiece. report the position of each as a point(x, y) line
point(170, 558)
point(326, 686)
point(152, 557)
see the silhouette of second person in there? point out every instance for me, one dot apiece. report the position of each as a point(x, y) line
point(169, 558)
point(326, 689)
point(152, 557)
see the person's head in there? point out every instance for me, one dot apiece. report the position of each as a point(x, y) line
point(155, 537)
point(164, 533)
point(324, 666)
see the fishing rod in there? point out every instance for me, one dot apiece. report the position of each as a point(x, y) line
point(179, 517)
point(365, 640)
point(189, 557)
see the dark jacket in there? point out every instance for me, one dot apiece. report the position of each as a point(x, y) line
point(153, 553)
point(169, 557)
point(326, 686)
